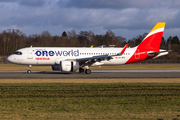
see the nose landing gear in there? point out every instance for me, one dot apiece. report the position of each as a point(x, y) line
point(29, 69)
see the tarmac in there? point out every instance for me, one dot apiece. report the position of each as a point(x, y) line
point(95, 74)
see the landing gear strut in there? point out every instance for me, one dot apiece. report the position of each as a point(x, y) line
point(29, 69)
point(81, 70)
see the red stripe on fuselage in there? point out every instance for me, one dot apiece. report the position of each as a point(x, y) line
point(137, 56)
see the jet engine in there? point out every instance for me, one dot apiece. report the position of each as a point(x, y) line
point(67, 66)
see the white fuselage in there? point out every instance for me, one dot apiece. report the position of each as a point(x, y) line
point(52, 55)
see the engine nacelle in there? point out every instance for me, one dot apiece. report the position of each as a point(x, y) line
point(67, 66)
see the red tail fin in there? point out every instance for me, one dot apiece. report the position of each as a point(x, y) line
point(153, 40)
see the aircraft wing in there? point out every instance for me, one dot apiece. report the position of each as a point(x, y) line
point(91, 60)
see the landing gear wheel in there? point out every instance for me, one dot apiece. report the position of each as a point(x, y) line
point(81, 70)
point(29, 71)
point(88, 71)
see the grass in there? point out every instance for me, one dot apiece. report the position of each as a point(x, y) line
point(71, 80)
point(90, 101)
point(11, 67)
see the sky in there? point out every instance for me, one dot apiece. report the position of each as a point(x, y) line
point(126, 18)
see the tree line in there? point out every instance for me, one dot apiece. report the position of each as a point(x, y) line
point(13, 39)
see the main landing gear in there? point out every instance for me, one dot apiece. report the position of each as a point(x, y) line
point(81, 70)
point(87, 71)
point(29, 69)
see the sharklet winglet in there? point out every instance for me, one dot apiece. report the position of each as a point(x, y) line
point(124, 49)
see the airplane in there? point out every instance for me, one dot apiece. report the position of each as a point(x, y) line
point(73, 59)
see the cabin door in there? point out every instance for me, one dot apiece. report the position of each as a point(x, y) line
point(30, 53)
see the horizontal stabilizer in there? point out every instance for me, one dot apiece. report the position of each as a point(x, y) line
point(157, 53)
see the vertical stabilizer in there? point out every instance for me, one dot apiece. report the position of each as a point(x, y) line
point(153, 40)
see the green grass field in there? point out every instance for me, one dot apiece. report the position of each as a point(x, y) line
point(146, 101)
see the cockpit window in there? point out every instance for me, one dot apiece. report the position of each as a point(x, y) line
point(18, 53)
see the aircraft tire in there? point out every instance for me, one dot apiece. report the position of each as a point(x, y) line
point(88, 71)
point(29, 71)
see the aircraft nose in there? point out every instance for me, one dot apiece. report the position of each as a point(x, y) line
point(10, 59)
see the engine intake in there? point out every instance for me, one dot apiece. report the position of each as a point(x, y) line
point(67, 66)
